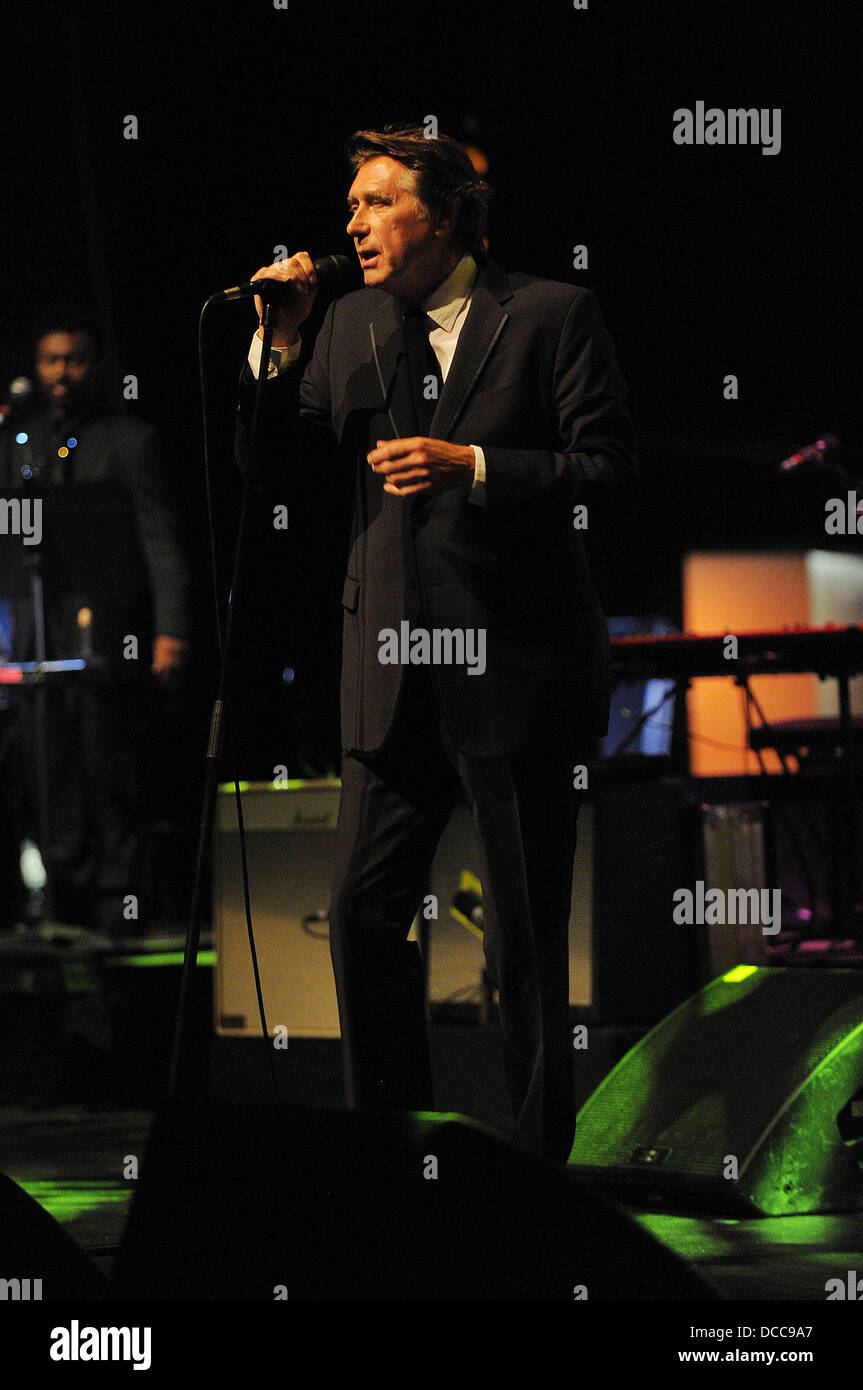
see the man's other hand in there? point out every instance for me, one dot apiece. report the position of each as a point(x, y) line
point(422, 465)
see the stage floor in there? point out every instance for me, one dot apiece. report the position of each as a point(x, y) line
point(71, 1159)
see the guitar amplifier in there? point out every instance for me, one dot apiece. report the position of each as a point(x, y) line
point(290, 849)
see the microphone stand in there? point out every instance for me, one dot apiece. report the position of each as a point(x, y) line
point(31, 679)
point(179, 1076)
point(40, 698)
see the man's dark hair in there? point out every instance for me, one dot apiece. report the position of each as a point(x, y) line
point(444, 175)
point(67, 317)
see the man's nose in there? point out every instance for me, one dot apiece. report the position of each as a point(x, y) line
point(356, 226)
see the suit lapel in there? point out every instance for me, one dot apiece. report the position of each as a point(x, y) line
point(485, 322)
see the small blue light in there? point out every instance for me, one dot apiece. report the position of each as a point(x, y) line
point(288, 675)
point(21, 437)
point(71, 442)
point(26, 471)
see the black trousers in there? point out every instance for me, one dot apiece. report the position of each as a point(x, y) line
point(394, 808)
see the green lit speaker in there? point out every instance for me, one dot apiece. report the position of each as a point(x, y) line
point(748, 1097)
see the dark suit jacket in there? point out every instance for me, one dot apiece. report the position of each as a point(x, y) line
point(534, 382)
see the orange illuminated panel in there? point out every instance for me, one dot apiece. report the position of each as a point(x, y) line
point(730, 592)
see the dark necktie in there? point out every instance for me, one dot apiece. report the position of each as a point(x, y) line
point(423, 368)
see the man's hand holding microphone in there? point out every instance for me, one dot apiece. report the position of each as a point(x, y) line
point(299, 275)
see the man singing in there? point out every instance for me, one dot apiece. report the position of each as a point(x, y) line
point(477, 409)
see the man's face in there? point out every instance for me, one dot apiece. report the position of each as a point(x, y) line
point(64, 363)
point(401, 248)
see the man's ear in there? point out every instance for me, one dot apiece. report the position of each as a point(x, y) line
point(447, 217)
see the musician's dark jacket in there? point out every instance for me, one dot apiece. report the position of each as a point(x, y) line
point(112, 537)
point(535, 383)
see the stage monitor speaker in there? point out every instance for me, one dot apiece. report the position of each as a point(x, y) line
point(269, 1203)
point(745, 1098)
point(39, 1262)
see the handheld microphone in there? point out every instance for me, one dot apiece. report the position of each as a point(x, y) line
point(18, 394)
point(334, 273)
